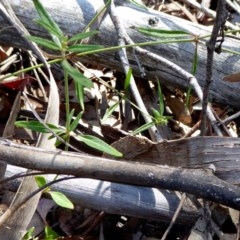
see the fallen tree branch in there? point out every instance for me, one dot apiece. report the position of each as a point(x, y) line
point(194, 181)
point(135, 201)
point(73, 16)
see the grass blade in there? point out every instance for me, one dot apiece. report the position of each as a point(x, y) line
point(44, 42)
point(81, 36)
point(110, 111)
point(144, 127)
point(100, 145)
point(160, 97)
point(163, 33)
point(46, 18)
point(83, 48)
point(127, 80)
point(76, 75)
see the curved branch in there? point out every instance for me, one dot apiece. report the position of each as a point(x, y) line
point(193, 181)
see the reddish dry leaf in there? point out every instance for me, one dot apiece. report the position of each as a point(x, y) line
point(16, 82)
point(232, 77)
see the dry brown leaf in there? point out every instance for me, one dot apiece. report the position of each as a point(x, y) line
point(235, 77)
point(178, 108)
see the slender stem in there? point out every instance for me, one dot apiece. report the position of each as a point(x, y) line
point(67, 106)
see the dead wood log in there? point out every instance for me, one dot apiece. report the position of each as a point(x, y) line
point(72, 16)
point(197, 152)
point(199, 182)
point(115, 198)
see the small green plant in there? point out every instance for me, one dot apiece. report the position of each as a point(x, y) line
point(158, 117)
point(29, 235)
point(49, 234)
point(66, 47)
point(59, 198)
point(176, 36)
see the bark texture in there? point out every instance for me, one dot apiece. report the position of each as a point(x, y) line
point(72, 16)
point(199, 182)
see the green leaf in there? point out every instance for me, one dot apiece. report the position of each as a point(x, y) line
point(76, 75)
point(29, 234)
point(163, 120)
point(110, 111)
point(46, 18)
point(47, 27)
point(144, 127)
point(83, 48)
point(71, 113)
point(195, 61)
point(160, 97)
point(61, 200)
point(127, 80)
point(194, 70)
point(41, 181)
point(37, 126)
point(50, 234)
point(163, 33)
point(80, 94)
point(100, 145)
point(81, 36)
point(44, 42)
point(156, 114)
point(33, 125)
point(76, 121)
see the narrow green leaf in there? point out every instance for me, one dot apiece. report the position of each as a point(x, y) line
point(81, 36)
point(45, 17)
point(195, 60)
point(44, 42)
point(33, 125)
point(50, 234)
point(41, 181)
point(38, 127)
point(194, 70)
point(71, 113)
point(76, 75)
point(127, 80)
point(163, 33)
point(100, 145)
point(76, 121)
point(61, 200)
point(160, 97)
point(156, 114)
point(80, 94)
point(47, 27)
point(83, 48)
point(29, 234)
point(144, 127)
point(110, 111)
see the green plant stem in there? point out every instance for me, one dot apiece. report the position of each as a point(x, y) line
point(67, 106)
point(114, 48)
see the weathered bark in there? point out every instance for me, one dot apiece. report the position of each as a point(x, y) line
point(72, 16)
point(194, 181)
point(115, 198)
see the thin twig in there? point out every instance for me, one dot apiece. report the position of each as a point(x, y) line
point(208, 12)
point(154, 133)
point(192, 81)
point(211, 48)
point(180, 205)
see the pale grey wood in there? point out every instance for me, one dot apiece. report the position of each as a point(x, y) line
point(200, 182)
point(141, 202)
point(73, 15)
